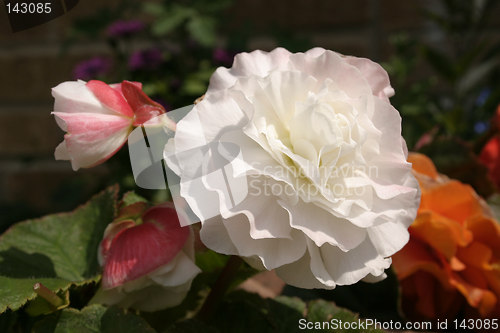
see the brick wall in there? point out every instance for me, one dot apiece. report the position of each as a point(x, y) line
point(31, 63)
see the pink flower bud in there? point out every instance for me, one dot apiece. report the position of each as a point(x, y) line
point(147, 266)
point(130, 251)
point(98, 118)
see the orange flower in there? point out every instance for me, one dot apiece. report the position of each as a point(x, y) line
point(452, 262)
point(490, 156)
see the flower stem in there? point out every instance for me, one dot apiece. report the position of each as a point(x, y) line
point(47, 294)
point(220, 288)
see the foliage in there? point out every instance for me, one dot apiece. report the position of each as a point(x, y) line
point(59, 251)
point(446, 88)
point(93, 318)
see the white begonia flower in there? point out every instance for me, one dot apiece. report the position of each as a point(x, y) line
point(327, 195)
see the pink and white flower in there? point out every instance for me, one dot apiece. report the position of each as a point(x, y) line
point(147, 266)
point(98, 118)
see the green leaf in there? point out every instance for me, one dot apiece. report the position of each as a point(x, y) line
point(292, 302)
point(440, 63)
point(210, 261)
point(321, 311)
point(117, 320)
point(57, 250)
point(475, 75)
point(171, 20)
point(246, 312)
point(193, 86)
point(131, 207)
point(41, 306)
point(131, 198)
point(153, 8)
point(92, 319)
point(202, 29)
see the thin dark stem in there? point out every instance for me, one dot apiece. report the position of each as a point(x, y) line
point(220, 288)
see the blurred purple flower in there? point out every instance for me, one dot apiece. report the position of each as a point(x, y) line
point(124, 28)
point(481, 127)
point(483, 96)
point(223, 56)
point(92, 68)
point(145, 59)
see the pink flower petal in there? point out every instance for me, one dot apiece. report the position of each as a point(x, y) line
point(92, 138)
point(139, 250)
point(110, 97)
point(75, 97)
point(144, 107)
point(118, 86)
point(111, 231)
point(95, 126)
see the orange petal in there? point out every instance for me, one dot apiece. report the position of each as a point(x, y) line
point(483, 300)
point(425, 288)
point(423, 165)
point(423, 296)
point(476, 255)
point(456, 264)
point(453, 200)
point(493, 278)
point(486, 231)
point(475, 277)
point(442, 234)
point(415, 257)
point(490, 156)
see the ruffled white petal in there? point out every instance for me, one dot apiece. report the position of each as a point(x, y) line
point(388, 238)
point(347, 268)
point(323, 227)
point(376, 76)
point(256, 63)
